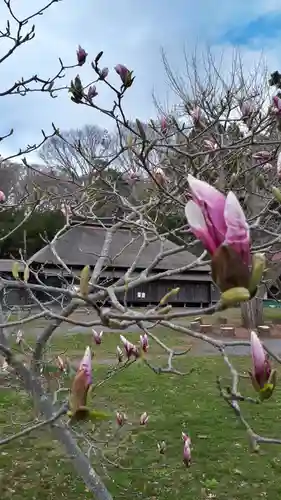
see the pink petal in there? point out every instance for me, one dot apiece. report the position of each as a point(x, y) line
point(238, 233)
point(212, 203)
point(277, 102)
point(198, 225)
point(258, 354)
point(86, 364)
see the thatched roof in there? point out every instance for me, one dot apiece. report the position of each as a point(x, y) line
point(82, 245)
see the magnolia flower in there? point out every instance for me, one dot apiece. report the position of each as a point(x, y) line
point(92, 92)
point(186, 454)
point(104, 73)
point(144, 342)
point(144, 418)
point(2, 197)
point(186, 438)
point(81, 56)
point(80, 386)
point(19, 337)
point(276, 105)
point(121, 418)
point(131, 349)
point(210, 145)
point(262, 376)
point(119, 354)
point(247, 108)
point(220, 224)
point(279, 164)
point(125, 75)
point(97, 336)
point(262, 155)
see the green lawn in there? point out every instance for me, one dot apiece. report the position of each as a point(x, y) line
point(223, 467)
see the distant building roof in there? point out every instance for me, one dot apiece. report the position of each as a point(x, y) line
point(82, 245)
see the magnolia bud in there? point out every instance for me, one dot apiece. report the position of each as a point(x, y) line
point(233, 296)
point(168, 295)
point(276, 193)
point(258, 267)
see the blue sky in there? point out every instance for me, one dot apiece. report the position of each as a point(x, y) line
point(131, 33)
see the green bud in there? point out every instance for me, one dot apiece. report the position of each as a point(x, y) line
point(26, 274)
point(15, 270)
point(166, 309)
point(258, 267)
point(234, 296)
point(168, 295)
point(84, 280)
point(276, 193)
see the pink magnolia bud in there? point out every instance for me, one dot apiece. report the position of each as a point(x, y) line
point(119, 354)
point(81, 56)
point(262, 156)
point(186, 454)
point(121, 418)
point(164, 124)
point(279, 165)
point(104, 73)
point(276, 105)
point(2, 197)
point(247, 108)
point(186, 438)
point(125, 75)
point(92, 92)
point(97, 336)
point(19, 337)
point(144, 418)
point(131, 349)
point(144, 342)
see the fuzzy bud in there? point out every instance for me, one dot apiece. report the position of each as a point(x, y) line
point(234, 296)
point(258, 267)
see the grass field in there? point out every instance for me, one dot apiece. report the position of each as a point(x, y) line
point(223, 468)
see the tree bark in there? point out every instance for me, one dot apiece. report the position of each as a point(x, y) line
point(252, 313)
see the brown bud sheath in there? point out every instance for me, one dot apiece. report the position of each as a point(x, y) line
point(79, 391)
point(228, 269)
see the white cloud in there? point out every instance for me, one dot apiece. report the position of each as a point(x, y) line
point(130, 33)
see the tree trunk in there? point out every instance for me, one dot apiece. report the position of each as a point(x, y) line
point(252, 313)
